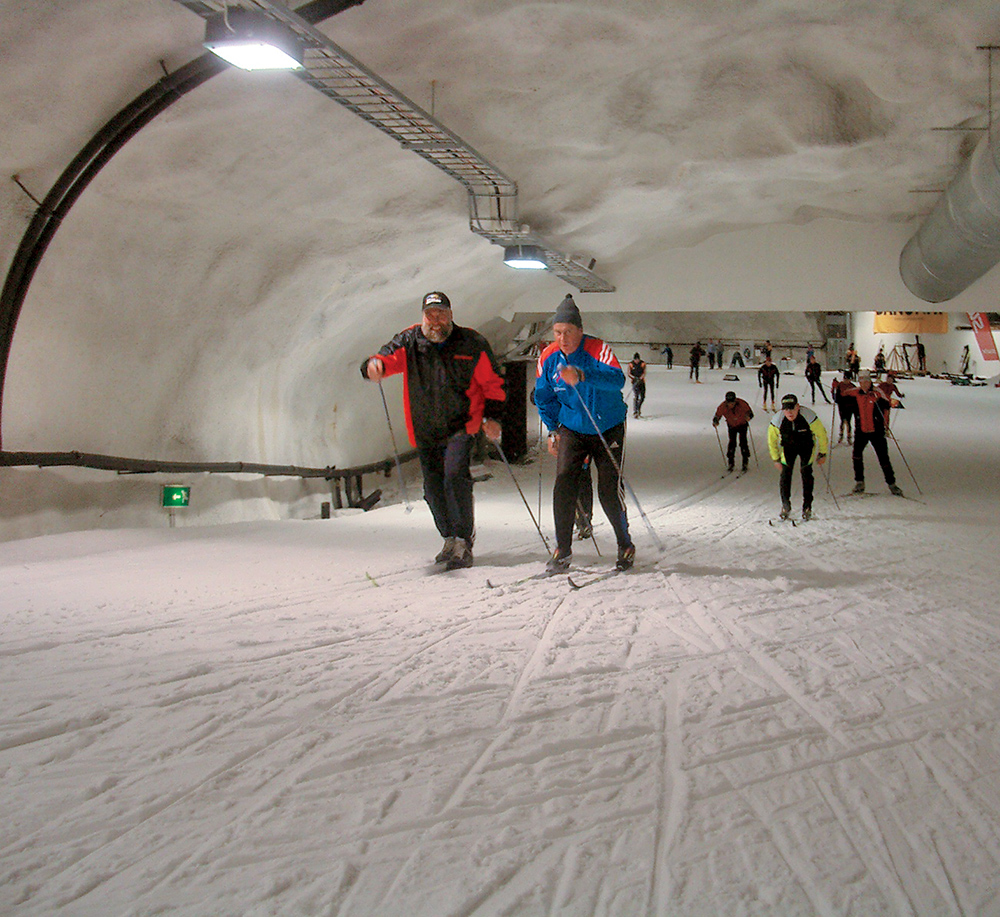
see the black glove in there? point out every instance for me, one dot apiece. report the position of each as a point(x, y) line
point(715, 421)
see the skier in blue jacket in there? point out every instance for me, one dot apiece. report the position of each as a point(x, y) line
point(578, 392)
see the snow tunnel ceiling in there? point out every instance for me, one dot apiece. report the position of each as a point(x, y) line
point(255, 238)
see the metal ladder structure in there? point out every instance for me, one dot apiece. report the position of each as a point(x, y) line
point(492, 195)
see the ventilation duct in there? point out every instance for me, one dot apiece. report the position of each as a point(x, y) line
point(960, 239)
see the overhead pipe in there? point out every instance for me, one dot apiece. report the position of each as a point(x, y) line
point(959, 241)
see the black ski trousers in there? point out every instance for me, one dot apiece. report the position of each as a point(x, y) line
point(739, 431)
point(574, 448)
point(881, 448)
point(638, 396)
point(785, 483)
point(448, 485)
point(813, 384)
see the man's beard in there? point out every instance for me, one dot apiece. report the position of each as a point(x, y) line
point(435, 336)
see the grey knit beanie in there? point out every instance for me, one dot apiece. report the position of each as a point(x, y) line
point(567, 312)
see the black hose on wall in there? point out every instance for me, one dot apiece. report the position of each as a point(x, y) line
point(89, 162)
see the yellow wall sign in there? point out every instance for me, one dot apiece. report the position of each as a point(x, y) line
point(911, 323)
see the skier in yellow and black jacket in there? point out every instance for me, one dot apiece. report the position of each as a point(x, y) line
point(796, 432)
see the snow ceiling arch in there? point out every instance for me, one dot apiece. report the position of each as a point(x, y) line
point(211, 293)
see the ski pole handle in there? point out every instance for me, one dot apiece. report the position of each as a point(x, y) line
point(395, 451)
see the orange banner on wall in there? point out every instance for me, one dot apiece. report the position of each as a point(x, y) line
point(984, 335)
point(911, 323)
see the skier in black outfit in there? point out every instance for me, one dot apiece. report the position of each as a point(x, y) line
point(813, 373)
point(845, 407)
point(767, 378)
point(697, 352)
point(637, 375)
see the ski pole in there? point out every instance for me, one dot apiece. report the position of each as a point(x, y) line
point(753, 443)
point(523, 498)
point(829, 486)
point(905, 462)
point(539, 466)
point(829, 464)
point(621, 476)
point(719, 438)
point(395, 451)
point(590, 523)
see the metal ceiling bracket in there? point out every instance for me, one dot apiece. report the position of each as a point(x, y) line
point(332, 71)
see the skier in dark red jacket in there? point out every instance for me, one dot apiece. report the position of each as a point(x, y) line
point(869, 427)
point(738, 414)
point(452, 389)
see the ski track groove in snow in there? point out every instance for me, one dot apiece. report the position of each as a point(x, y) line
point(386, 679)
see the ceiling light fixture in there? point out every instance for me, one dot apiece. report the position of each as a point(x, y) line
point(252, 42)
point(525, 257)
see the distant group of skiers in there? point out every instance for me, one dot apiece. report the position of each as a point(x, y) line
point(454, 389)
point(715, 351)
point(796, 433)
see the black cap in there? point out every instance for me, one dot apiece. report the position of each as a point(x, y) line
point(636, 356)
point(730, 396)
point(788, 402)
point(568, 313)
point(436, 300)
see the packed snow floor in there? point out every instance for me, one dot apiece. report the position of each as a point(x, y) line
point(295, 718)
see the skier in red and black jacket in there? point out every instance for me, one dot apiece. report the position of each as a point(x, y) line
point(452, 389)
point(869, 427)
point(738, 414)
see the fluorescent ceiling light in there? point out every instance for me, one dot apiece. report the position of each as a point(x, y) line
point(525, 257)
point(252, 42)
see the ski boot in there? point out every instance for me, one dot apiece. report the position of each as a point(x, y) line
point(896, 490)
point(859, 487)
point(559, 562)
point(626, 558)
point(786, 511)
point(462, 555)
point(807, 513)
point(444, 555)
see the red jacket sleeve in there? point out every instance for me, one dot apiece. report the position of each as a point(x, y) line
point(486, 393)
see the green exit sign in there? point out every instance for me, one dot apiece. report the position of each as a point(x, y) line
point(176, 495)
